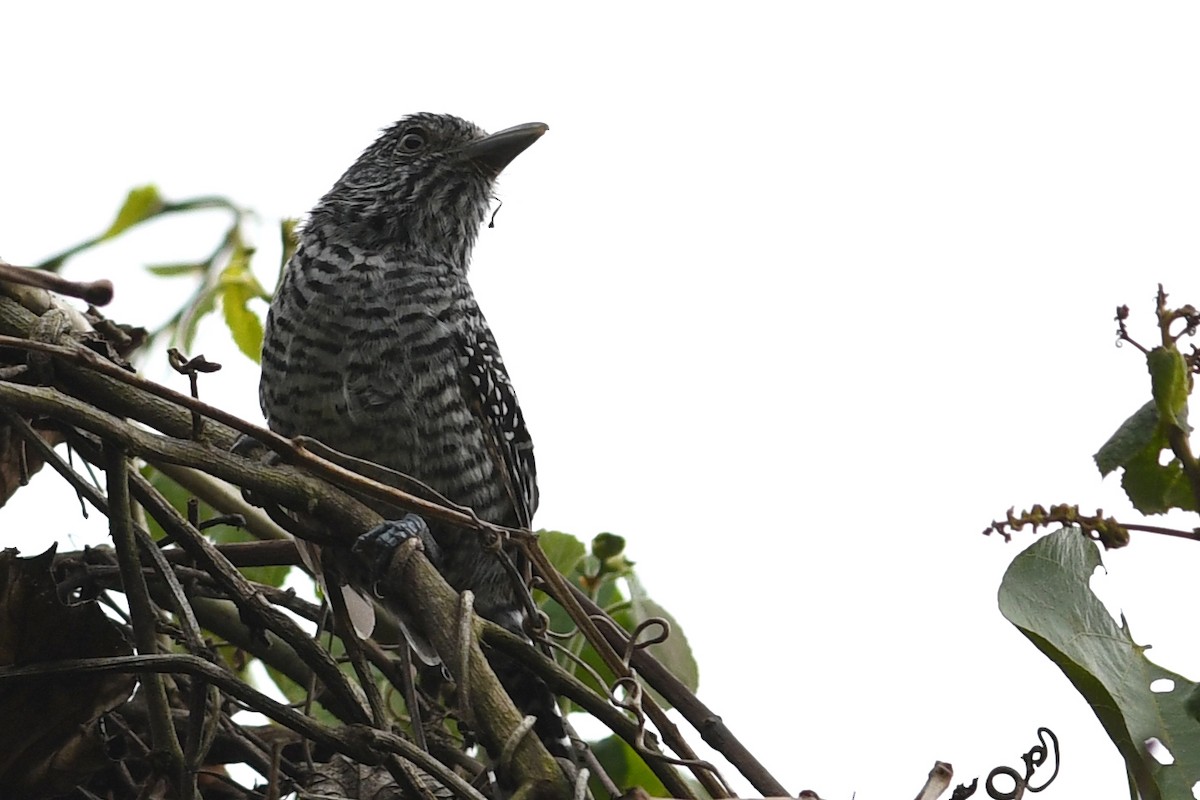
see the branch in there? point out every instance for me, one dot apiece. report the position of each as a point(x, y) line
point(414, 580)
point(354, 741)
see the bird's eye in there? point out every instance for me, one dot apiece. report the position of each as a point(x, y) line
point(413, 140)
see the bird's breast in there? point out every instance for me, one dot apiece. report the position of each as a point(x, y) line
point(371, 367)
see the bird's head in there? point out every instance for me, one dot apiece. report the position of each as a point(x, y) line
point(423, 188)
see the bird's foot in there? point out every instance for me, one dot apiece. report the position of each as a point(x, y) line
point(376, 547)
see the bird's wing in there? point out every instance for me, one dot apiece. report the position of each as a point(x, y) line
point(490, 396)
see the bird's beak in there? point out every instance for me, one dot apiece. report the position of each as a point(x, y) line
point(493, 153)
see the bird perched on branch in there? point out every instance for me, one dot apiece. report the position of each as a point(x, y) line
point(375, 345)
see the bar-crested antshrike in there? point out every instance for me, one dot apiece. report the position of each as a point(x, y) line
point(375, 346)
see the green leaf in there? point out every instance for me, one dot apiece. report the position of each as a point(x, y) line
point(244, 324)
point(1046, 595)
point(625, 767)
point(1169, 384)
point(1134, 436)
point(289, 240)
point(1192, 704)
point(1154, 488)
point(141, 204)
point(237, 287)
point(600, 581)
point(563, 550)
point(675, 653)
point(171, 270)
point(172, 492)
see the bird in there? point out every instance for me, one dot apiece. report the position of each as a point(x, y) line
point(374, 345)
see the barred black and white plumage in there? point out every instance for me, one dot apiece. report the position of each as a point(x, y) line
point(487, 379)
point(375, 345)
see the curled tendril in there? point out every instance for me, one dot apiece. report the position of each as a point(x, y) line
point(1034, 759)
point(466, 603)
point(510, 745)
point(632, 702)
point(581, 782)
point(635, 637)
point(537, 624)
point(578, 661)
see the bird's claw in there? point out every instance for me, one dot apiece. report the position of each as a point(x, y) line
point(376, 547)
point(245, 446)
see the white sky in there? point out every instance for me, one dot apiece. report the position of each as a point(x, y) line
point(797, 298)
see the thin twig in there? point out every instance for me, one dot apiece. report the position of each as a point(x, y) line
point(1192, 534)
point(354, 650)
point(178, 601)
point(412, 703)
point(141, 610)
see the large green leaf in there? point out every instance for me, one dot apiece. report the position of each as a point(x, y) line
point(1152, 487)
point(675, 653)
point(564, 550)
point(625, 767)
point(1156, 488)
point(1133, 437)
point(1046, 595)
